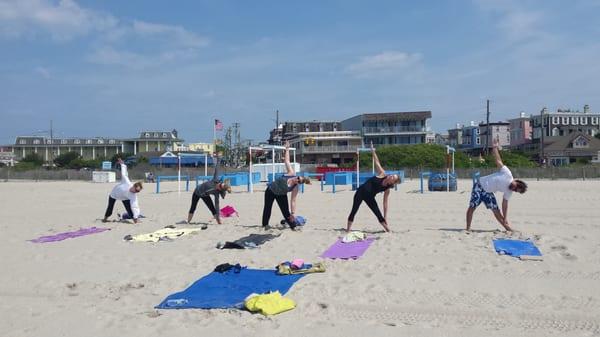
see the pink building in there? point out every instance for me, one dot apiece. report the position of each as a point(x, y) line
point(520, 131)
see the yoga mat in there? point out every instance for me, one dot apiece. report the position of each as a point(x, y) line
point(354, 250)
point(250, 241)
point(516, 248)
point(229, 289)
point(69, 235)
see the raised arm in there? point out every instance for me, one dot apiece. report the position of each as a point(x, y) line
point(217, 168)
point(378, 168)
point(497, 157)
point(124, 174)
point(286, 159)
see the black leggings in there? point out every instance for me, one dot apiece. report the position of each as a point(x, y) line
point(282, 201)
point(207, 200)
point(111, 206)
point(369, 199)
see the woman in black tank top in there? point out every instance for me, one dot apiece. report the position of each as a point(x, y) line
point(367, 191)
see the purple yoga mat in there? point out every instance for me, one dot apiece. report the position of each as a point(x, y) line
point(351, 250)
point(68, 235)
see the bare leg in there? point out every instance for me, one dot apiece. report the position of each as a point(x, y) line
point(470, 211)
point(500, 219)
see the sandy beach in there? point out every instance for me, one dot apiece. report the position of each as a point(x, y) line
point(426, 278)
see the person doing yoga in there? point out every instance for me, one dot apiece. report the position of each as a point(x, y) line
point(212, 187)
point(278, 190)
point(367, 191)
point(127, 193)
point(485, 187)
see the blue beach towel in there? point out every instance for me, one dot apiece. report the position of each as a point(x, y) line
point(229, 289)
point(516, 248)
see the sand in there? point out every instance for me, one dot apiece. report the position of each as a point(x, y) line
point(426, 278)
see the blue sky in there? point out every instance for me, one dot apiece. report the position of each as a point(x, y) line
point(113, 68)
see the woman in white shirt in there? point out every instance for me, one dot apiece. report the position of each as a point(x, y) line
point(127, 193)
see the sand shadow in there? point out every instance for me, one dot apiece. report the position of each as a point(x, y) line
point(459, 230)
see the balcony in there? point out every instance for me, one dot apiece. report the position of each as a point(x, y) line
point(329, 149)
point(393, 129)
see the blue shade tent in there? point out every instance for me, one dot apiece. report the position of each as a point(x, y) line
point(186, 160)
point(229, 289)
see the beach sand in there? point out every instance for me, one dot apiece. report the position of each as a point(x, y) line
point(426, 278)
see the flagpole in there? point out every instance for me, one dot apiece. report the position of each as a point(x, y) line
point(214, 135)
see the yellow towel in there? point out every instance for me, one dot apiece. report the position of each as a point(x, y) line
point(284, 269)
point(170, 233)
point(269, 304)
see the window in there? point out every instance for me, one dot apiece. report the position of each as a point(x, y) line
point(147, 135)
point(63, 141)
point(594, 120)
point(565, 120)
point(555, 120)
point(575, 120)
point(478, 141)
point(554, 132)
point(477, 131)
point(112, 141)
point(156, 135)
point(88, 141)
point(580, 142)
point(36, 141)
point(77, 141)
point(583, 120)
point(100, 141)
point(165, 135)
point(22, 141)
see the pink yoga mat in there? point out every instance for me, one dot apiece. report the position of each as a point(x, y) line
point(68, 235)
point(351, 250)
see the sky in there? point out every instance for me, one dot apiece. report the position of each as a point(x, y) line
point(113, 68)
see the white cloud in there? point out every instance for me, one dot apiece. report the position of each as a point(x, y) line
point(177, 34)
point(45, 73)
point(63, 21)
point(386, 63)
point(113, 40)
point(513, 19)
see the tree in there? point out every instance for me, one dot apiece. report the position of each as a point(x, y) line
point(597, 135)
point(34, 159)
point(66, 158)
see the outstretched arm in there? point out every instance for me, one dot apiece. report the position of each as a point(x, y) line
point(378, 168)
point(293, 199)
point(286, 159)
point(505, 211)
point(386, 195)
point(497, 157)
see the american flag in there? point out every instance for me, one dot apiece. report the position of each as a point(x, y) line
point(218, 125)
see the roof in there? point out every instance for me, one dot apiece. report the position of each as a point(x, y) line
point(565, 143)
point(408, 115)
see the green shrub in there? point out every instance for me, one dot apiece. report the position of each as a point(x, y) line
point(35, 159)
point(432, 156)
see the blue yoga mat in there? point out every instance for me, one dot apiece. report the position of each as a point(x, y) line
point(228, 289)
point(516, 248)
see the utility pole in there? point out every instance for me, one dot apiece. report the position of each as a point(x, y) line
point(487, 128)
point(51, 143)
point(542, 135)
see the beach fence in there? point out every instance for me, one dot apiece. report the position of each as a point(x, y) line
point(138, 173)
